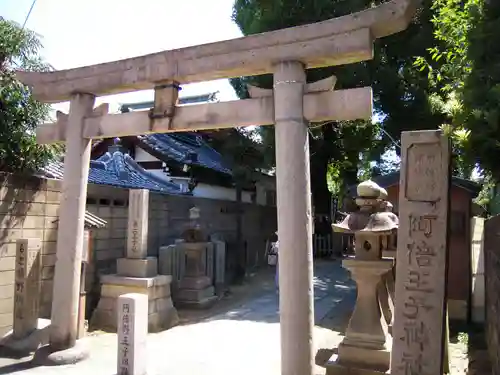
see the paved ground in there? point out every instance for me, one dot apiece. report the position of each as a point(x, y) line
point(243, 340)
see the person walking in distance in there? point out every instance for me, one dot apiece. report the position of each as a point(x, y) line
point(276, 251)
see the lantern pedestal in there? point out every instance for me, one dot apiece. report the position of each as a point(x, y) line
point(366, 345)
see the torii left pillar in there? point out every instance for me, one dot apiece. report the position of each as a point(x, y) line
point(63, 347)
point(294, 220)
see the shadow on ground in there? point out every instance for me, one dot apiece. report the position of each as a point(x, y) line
point(334, 297)
point(23, 361)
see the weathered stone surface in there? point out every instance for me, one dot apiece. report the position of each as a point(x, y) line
point(195, 254)
point(163, 319)
point(132, 334)
point(197, 304)
point(142, 282)
point(194, 282)
point(196, 294)
point(114, 291)
point(27, 286)
point(156, 290)
point(365, 344)
point(209, 262)
point(168, 261)
point(137, 236)
point(131, 267)
point(220, 264)
point(418, 329)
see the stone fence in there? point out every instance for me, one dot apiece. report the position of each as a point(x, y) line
point(29, 209)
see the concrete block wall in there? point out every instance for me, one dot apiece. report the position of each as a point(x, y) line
point(28, 209)
point(168, 217)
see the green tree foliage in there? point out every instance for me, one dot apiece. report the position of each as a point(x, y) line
point(339, 149)
point(481, 95)
point(20, 113)
point(463, 67)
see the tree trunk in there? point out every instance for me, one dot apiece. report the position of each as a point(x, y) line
point(321, 155)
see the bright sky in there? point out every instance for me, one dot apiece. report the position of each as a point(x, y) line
point(78, 33)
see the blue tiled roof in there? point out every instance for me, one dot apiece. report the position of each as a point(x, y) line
point(119, 170)
point(187, 148)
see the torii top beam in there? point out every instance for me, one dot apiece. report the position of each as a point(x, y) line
point(336, 41)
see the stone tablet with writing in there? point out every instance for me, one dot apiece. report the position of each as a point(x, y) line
point(137, 230)
point(418, 331)
point(26, 286)
point(132, 334)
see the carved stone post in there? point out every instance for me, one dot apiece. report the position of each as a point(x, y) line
point(70, 235)
point(294, 221)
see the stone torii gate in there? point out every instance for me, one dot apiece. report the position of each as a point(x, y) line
point(290, 105)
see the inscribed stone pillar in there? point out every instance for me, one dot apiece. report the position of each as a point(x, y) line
point(137, 263)
point(65, 299)
point(132, 334)
point(418, 332)
point(26, 286)
point(294, 220)
point(220, 265)
point(138, 224)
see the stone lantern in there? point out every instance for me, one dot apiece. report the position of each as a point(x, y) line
point(195, 287)
point(366, 343)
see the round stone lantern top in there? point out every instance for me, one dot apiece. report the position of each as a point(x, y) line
point(370, 196)
point(375, 212)
point(368, 189)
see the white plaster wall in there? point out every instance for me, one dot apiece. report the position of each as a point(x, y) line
point(262, 187)
point(212, 191)
point(141, 155)
point(203, 190)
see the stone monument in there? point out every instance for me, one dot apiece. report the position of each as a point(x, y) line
point(29, 332)
point(195, 289)
point(132, 334)
point(137, 273)
point(419, 332)
point(172, 262)
point(27, 287)
point(366, 345)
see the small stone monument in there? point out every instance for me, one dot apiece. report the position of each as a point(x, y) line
point(366, 345)
point(132, 334)
point(26, 287)
point(137, 273)
point(195, 287)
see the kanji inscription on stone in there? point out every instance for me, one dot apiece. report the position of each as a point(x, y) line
point(132, 334)
point(137, 235)
point(418, 331)
point(26, 286)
